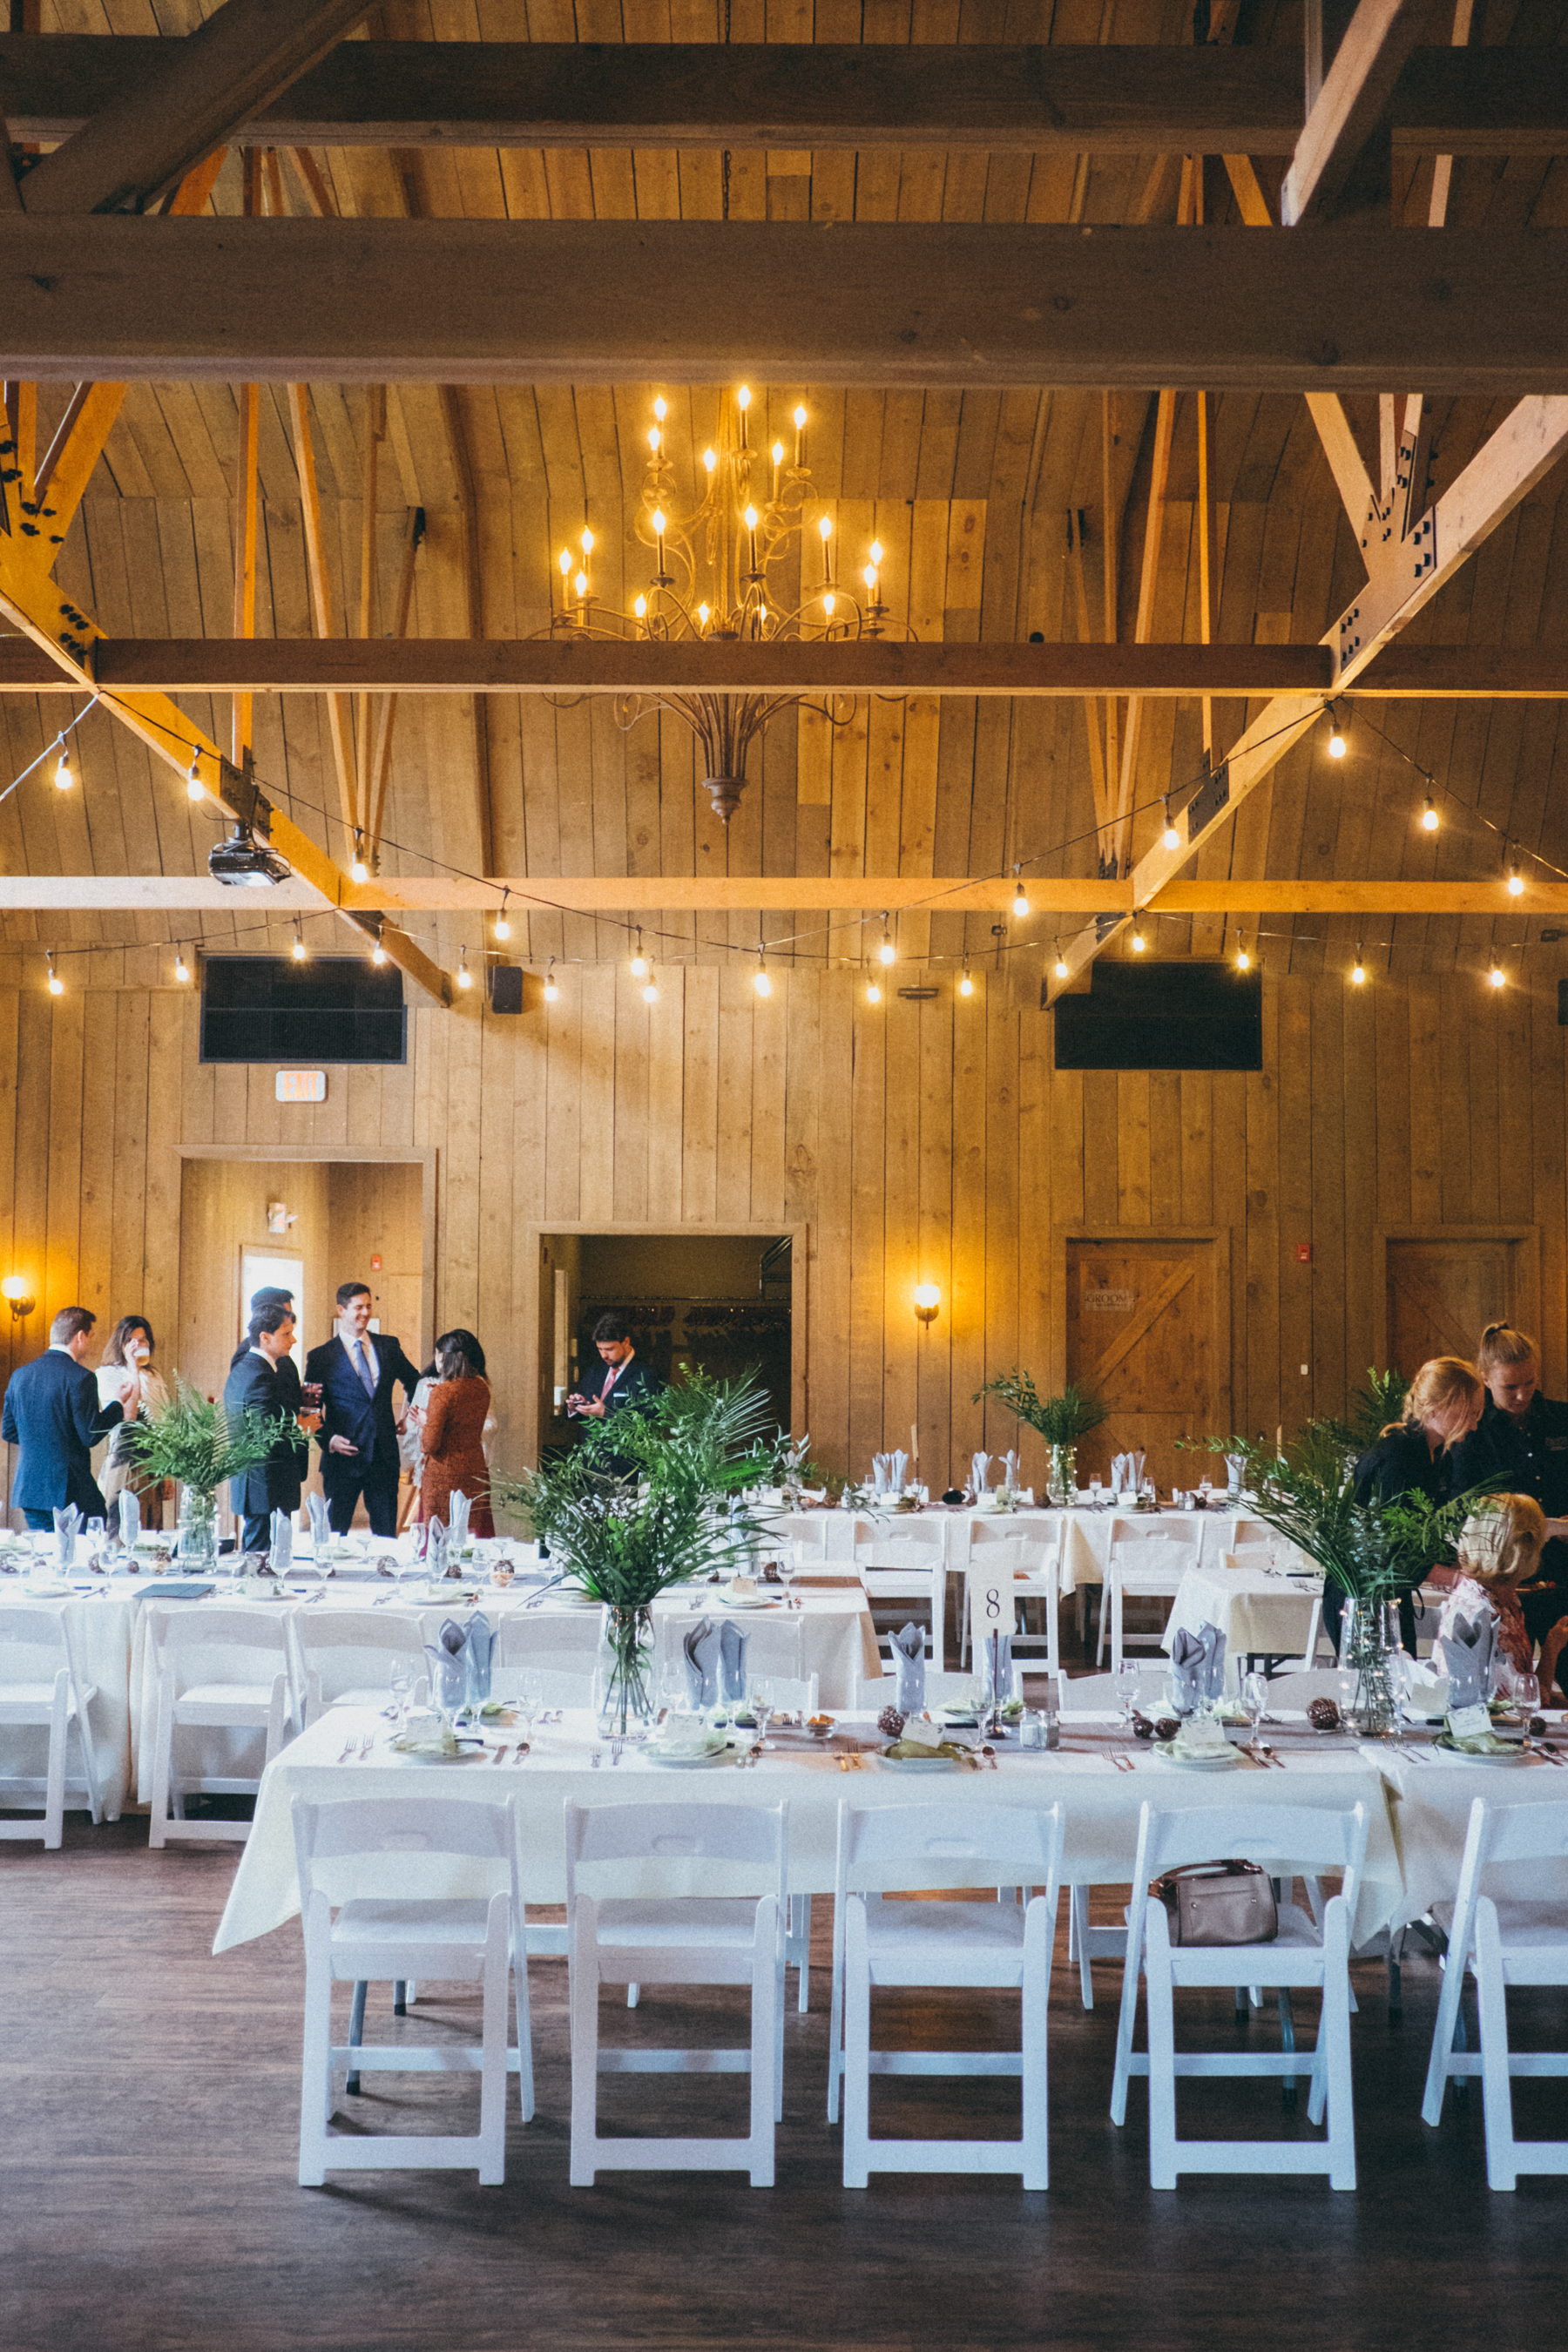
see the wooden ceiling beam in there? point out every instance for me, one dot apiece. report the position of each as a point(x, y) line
point(573, 665)
point(870, 895)
point(1076, 98)
point(887, 304)
point(180, 100)
point(1356, 89)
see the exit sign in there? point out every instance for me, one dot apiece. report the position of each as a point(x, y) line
point(301, 1085)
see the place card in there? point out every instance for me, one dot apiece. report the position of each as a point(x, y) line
point(1469, 1723)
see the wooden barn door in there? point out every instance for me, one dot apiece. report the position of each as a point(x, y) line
point(1440, 1291)
point(1148, 1331)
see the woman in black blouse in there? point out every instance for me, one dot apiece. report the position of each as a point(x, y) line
point(1414, 1456)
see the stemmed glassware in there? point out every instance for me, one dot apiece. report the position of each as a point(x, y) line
point(403, 1677)
point(787, 1563)
point(528, 1695)
point(763, 1706)
point(1254, 1702)
point(1094, 1490)
point(1127, 1681)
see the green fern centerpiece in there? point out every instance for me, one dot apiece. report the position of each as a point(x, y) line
point(191, 1439)
point(1061, 1420)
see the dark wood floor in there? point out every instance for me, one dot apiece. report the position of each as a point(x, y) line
point(149, 2107)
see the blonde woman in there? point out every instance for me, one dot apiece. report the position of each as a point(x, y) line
point(1415, 1454)
point(1521, 1443)
point(130, 1349)
point(1499, 1553)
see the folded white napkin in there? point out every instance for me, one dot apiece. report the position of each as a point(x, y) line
point(701, 1648)
point(980, 1464)
point(436, 1549)
point(321, 1526)
point(1010, 1472)
point(68, 1524)
point(129, 1518)
point(281, 1552)
point(897, 1471)
point(909, 1666)
point(458, 1527)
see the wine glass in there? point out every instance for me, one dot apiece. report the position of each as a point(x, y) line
point(1127, 1681)
point(530, 1694)
point(1526, 1692)
point(1254, 1701)
point(762, 1697)
point(787, 1563)
point(405, 1675)
point(1094, 1490)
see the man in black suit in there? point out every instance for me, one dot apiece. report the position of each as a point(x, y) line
point(625, 1382)
point(52, 1411)
point(286, 1369)
point(358, 1436)
point(256, 1381)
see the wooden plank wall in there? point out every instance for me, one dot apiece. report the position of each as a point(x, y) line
point(913, 1142)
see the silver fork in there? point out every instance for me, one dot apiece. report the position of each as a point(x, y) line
point(347, 1748)
point(366, 1744)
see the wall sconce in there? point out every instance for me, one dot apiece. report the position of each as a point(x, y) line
point(14, 1288)
point(928, 1298)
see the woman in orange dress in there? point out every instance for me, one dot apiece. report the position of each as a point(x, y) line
point(450, 1435)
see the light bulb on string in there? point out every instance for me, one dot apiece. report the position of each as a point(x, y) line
point(1515, 880)
point(761, 982)
point(1020, 897)
point(966, 986)
point(504, 928)
point(1358, 971)
point(64, 778)
point(1060, 966)
point(378, 953)
point(1170, 838)
point(873, 993)
point(298, 947)
point(1495, 974)
point(887, 953)
point(182, 968)
point(465, 977)
point(1337, 746)
point(1243, 961)
point(650, 990)
point(640, 961)
point(552, 985)
point(1139, 942)
point(1429, 815)
point(194, 788)
point(359, 871)
point(56, 985)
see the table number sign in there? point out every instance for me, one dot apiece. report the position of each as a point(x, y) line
point(990, 1609)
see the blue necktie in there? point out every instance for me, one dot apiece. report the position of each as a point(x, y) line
point(364, 1368)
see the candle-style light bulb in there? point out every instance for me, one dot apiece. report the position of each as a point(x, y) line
point(708, 459)
point(661, 410)
point(703, 616)
point(876, 550)
point(587, 540)
point(750, 517)
point(966, 986)
point(581, 583)
point(827, 603)
point(654, 438)
point(640, 607)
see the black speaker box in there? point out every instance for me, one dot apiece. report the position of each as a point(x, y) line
point(506, 988)
point(1162, 1016)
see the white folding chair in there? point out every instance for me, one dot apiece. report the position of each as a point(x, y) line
point(912, 1566)
point(1293, 1837)
point(806, 1529)
point(1142, 1565)
point(1034, 1578)
point(41, 1689)
point(558, 1649)
point(1003, 1945)
point(677, 1939)
point(1503, 1940)
point(871, 1696)
point(346, 1657)
point(188, 1697)
point(391, 1933)
point(1097, 1694)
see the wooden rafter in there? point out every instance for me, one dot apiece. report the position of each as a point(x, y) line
point(1356, 89)
point(887, 304)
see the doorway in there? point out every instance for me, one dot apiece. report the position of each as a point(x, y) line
point(1436, 1291)
point(1147, 1324)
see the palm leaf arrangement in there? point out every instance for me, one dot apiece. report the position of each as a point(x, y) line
point(191, 1439)
point(1059, 1420)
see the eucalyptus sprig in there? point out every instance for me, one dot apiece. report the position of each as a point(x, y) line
point(191, 1438)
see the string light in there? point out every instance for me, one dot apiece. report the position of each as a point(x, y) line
point(1138, 940)
point(650, 991)
point(640, 961)
point(761, 983)
point(1020, 897)
point(378, 953)
point(966, 986)
point(873, 993)
point(194, 788)
point(359, 871)
point(465, 977)
point(1337, 746)
point(1243, 961)
point(1358, 970)
point(182, 968)
point(1061, 963)
point(1496, 974)
point(552, 985)
point(299, 948)
point(56, 985)
point(1170, 838)
point(503, 928)
point(64, 779)
point(1429, 814)
point(1515, 880)
point(887, 953)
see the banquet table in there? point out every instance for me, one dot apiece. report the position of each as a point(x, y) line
point(1259, 1614)
point(1081, 1533)
point(100, 1624)
point(1100, 1800)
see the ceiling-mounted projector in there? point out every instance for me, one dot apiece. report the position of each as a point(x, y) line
point(246, 863)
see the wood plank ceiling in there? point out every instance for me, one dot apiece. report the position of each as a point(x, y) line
point(970, 493)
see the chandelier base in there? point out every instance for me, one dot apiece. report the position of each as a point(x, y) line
point(724, 792)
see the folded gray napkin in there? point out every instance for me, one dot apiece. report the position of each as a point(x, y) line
point(478, 1649)
point(701, 1648)
point(321, 1526)
point(448, 1667)
point(1197, 1667)
point(979, 1465)
point(457, 1528)
point(1466, 1649)
point(909, 1666)
point(732, 1663)
point(436, 1549)
point(1010, 1471)
point(129, 1518)
point(68, 1524)
point(281, 1551)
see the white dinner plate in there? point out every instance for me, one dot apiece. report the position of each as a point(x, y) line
point(44, 1591)
point(708, 1756)
point(726, 1603)
point(921, 1763)
point(1164, 1750)
point(431, 1754)
point(1510, 1755)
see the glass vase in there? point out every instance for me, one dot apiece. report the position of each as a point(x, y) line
point(1369, 1641)
point(1061, 1473)
point(197, 1549)
point(624, 1674)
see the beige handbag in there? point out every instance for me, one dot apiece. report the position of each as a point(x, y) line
point(1219, 1903)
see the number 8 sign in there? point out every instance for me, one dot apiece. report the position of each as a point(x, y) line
point(990, 1609)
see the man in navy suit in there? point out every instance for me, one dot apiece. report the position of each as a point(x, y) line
point(289, 1398)
point(52, 1411)
point(255, 1382)
point(358, 1436)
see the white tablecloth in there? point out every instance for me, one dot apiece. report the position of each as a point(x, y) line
point(1082, 1535)
point(1257, 1612)
point(1101, 1805)
point(100, 1634)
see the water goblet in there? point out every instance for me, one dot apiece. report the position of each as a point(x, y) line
point(787, 1563)
point(529, 1695)
point(1127, 1680)
point(403, 1677)
point(1094, 1490)
point(763, 1706)
point(1254, 1702)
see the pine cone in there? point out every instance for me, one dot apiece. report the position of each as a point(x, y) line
point(890, 1722)
point(1167, 1728)
point(1143, 1729)
point(1323, 1715)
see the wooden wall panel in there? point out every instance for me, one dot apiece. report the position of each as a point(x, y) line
point(905, 1141)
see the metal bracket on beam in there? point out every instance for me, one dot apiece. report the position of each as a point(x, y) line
point(1208, 800)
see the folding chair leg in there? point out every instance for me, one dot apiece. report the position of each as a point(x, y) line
point(1449, 2034)
point(1335, 2031)
point(55, 1783)
point(767, 2047)
point(1035, 1990)
point(493, 2075)
point(1160, 2002)
point(582, 1983)
point(1497, 2090)
point(1077, 1920)
point(857, 2050)
point(356, 2032)
point(315, 2064)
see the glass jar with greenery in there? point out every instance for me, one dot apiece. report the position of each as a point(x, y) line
point(190, 1438)
point(1061, 1420)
